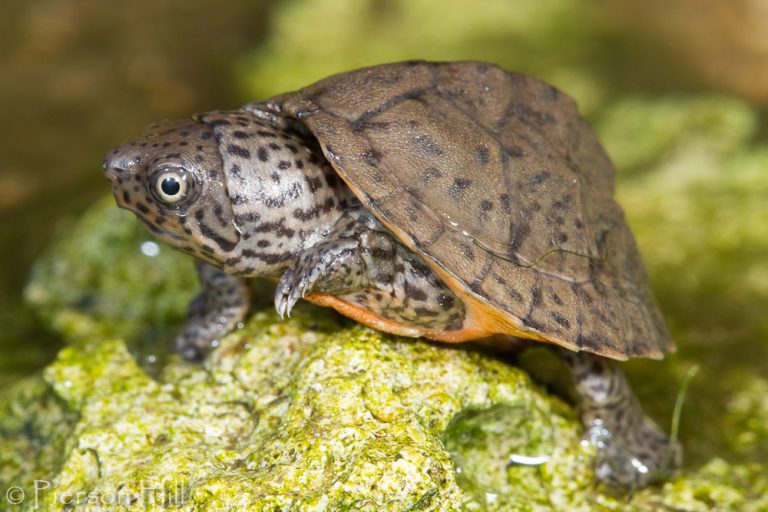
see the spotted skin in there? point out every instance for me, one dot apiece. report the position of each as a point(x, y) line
point(632, 450)
point(363, 265)
point(214, 313)
point(454, 201)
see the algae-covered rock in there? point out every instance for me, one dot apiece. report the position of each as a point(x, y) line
point(315, 413)
point(311, 413)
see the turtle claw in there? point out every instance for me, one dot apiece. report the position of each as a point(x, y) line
point(290, 289)
point(317, 268)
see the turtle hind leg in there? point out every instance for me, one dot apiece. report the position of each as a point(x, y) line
point(632, 451)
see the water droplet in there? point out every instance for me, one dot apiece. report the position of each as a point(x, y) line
point(150, 249)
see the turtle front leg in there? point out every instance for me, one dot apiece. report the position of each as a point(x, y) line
point(633, 452)
point(215, 312)
point(363, 265)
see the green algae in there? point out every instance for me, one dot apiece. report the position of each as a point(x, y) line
point(105, 282)
point(312, 414)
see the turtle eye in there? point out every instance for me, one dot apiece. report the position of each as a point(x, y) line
point(171, 187)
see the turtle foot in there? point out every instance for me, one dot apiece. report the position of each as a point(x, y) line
point(632, 458)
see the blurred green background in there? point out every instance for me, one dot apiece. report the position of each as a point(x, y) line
point(676, 89)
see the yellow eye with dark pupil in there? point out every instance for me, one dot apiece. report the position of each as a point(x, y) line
point(171, 187)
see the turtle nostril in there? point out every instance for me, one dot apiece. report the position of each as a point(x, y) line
point(118, 161)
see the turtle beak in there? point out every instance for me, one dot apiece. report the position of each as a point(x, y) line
point(120, 167)
point(118, 162)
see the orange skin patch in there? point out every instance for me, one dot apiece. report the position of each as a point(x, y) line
point(472, 331)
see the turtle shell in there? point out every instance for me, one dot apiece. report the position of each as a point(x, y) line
point(501, 186)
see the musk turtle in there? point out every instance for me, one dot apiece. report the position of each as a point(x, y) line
point(455, 201)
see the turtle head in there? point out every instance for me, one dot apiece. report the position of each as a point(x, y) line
point(171, 177)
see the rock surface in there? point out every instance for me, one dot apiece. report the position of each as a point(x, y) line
point(312, 413)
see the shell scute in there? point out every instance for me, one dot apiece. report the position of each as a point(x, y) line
point(496, 180)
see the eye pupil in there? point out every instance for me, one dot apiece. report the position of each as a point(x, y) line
point(170, 186)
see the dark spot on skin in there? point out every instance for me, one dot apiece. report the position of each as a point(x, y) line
point(371, 157)
point(482, 154)
point(218, 211)
point(211, 234)
point(126, 196)
point(153, 228)
point(267, 134)
point(314, 184)
point(206, 135)
point(535, 296)
point(283, 165)
point(383, 278)
point(331, 180)
point(535, 325)
point(425, 312)
point(519, 233)
point(274, 202)
point(486, 205)
point(413, 292)
point(540, 178)
point(166, 144)
point(562, 238)
point(430, 174)
point(420, 269)
point(245, 218)
point(299, 164)
point(262, 154)
point(218, 122)
point(291, 148)
point(560, 319)
point(263, 243)
point(268, 258)
point(458, 187)
point(274, 146)
point(556, 299)
point(240, 151)
point(445, 301)
point(504, 201)
point(466, 249)
point(427, 145)
point(142, 208)
point(305, 215)
point(183, 143)
point(514, 295)
point(239, 134)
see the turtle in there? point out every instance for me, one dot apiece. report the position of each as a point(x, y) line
point(454, 201)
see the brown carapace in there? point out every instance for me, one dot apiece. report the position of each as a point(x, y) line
point(455, 201)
